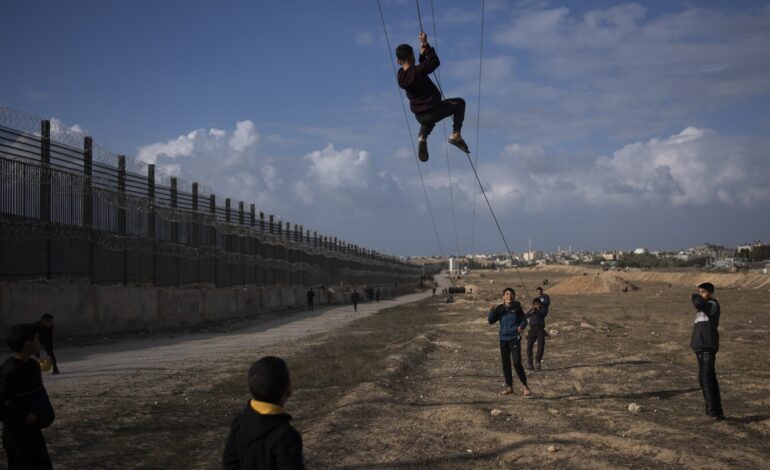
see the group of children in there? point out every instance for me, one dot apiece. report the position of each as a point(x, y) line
point(512, 319)
point(261, 436)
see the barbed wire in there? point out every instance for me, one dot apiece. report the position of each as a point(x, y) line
point(73, 138)
point(77, 189)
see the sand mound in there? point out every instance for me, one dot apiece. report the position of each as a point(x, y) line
point(751, 280)
point(592, 284)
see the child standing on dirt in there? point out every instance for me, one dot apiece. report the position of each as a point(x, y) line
point(512, 324)
point(24, 405)
point(536, 316)
point(705, 343)
point(261, 436)
point(46, 339)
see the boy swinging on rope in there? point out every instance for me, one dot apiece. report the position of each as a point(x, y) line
point(425, 99)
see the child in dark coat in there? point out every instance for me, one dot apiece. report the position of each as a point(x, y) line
point(512, 324)
point(45, 326)
point(705, 343)
point(24, 405)
point(261, 436)
point(536, 316)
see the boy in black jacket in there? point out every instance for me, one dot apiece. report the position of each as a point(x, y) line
point(536, 316)
point(705, 343)
point(512, 324)
point(24, 405)
point(261, 436)
point(425, 99)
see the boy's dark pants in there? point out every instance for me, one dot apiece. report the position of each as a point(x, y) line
point(454, 107)
point(25, 448)
point(536, 333)
point(509, 348)
point(707, 378)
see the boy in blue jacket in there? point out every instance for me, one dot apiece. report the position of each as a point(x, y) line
point(512, 323)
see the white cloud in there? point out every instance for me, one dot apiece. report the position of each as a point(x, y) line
point(182, 146)
point(226, 160)
point(344, 168)
point(245, 135)
point(694, 168)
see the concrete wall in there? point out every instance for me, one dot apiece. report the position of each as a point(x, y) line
point(85, 309)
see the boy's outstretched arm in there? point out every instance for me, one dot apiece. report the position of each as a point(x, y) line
point(428, 58)
point(493, 316)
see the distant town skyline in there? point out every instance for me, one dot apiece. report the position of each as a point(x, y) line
point(604, 125)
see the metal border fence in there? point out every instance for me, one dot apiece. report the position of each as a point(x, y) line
point(64, 214)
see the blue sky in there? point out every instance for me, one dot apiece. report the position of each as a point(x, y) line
point(603, 124)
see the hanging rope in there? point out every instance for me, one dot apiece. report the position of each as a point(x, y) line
point(478, 125)
point(446, 137)
point(435, 36)
point(409, 128)
point(507, 248)
point(476, 174)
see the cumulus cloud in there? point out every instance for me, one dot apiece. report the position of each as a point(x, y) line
point(343, 168)
point(347, 179)
point(696, 167)
point(226, 160)
point(245, 135)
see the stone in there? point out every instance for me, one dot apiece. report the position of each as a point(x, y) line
point(495, 412)
point(552, 448)
point(634, 408)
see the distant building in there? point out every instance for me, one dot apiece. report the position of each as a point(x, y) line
point(640, 251)
point(610, 256)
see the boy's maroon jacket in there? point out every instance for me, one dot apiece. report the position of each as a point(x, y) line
point(422, 93)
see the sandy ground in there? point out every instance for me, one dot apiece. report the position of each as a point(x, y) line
point(607, 351)
point(432, 401)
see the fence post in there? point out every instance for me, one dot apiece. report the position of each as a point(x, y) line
point(45, 189)
point(270, 280)
point(88, 209)
point(151, 217)
point(122, 212)
point(175, 224)
point(196, 230)
point(253, 241)
point(213, 235)
point(241, 240)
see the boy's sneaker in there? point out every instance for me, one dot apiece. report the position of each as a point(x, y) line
point(459, 143)
point(538, 366)
point(422, 150)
